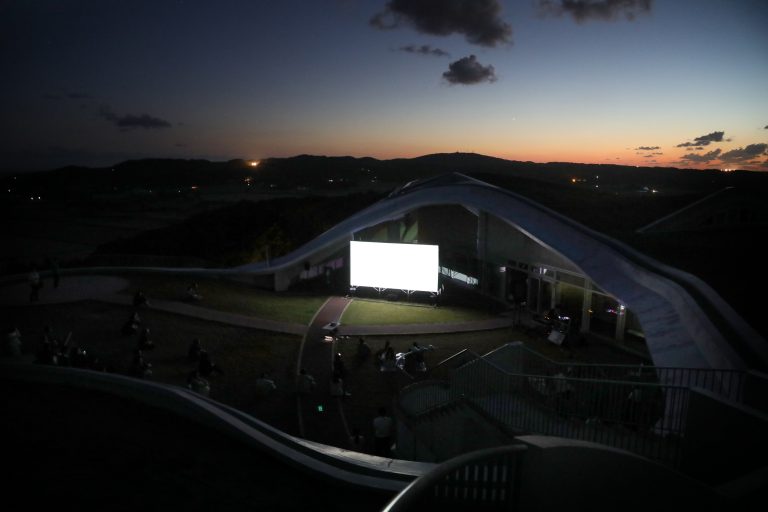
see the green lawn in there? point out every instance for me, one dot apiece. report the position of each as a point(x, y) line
point(243, 353)
point(370, 312)
point(231, 297)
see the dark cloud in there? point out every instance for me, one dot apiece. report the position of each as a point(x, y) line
point(130, 121)
point(585, 10)
point(468, 71)
point(649, 156)
point(744, 154)
point(68, 95)
point(703, 140)
point(710, 137)
point(647, 148)
point(705, 158)
point(424, 49)
point(478, 20)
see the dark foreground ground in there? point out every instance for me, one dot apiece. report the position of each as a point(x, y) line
point(85, 450)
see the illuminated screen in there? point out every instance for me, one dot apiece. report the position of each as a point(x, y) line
point(396, 266)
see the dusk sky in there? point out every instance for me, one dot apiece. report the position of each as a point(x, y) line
point(637, 82)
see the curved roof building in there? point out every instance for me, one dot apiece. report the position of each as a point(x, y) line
point(683, 321)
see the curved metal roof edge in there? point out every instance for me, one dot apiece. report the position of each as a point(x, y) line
point(710, 323)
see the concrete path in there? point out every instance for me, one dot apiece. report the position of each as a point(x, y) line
point(328, 425)
point(70, 289)
point(432, 328)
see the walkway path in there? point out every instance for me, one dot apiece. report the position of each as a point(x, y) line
point(326, 425)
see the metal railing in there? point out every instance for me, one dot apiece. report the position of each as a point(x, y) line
point(646, 418)
point(518, 358)
point(482, 480)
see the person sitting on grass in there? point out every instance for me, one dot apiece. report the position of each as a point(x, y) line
point(13, 342)
point(144, 342)
point(46, 354)
point(337, 387)
point(132, 324)
point(198, 384)
point(357, 441)
point(306, 382)
point(140, 299)
point(193, 293)
point(140, 367)
point(265, 385)
point(194, 350)
point(417, 355)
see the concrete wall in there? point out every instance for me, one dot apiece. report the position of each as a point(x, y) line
point(723, 440)
point(562, 474)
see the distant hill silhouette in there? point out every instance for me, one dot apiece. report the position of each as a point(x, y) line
point(323, 172)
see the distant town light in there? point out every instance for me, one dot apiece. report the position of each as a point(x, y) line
point(254, 163)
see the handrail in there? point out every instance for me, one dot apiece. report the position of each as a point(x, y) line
point(336, 464)
point(727, 382)
point(489, 477)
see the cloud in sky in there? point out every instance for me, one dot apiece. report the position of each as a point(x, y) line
point(744, 154)
point(424, 49)
point(647, 148)
point(705, 158)
point(467, 71)
point(605, 10)
point(478, 20)
point(68, 95)
point(130, 121)
point(703, 140)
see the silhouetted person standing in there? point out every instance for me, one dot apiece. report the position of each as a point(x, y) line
point(35, 283)
point(382, 433)
point(206, 366)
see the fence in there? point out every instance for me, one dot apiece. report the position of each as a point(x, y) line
point(646, 418)
point(482, 480)
point(517, 358)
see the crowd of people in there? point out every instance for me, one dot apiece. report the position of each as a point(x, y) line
point(380, 440)
point(64, 351)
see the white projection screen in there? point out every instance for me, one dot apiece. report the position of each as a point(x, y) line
point(395, 266)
